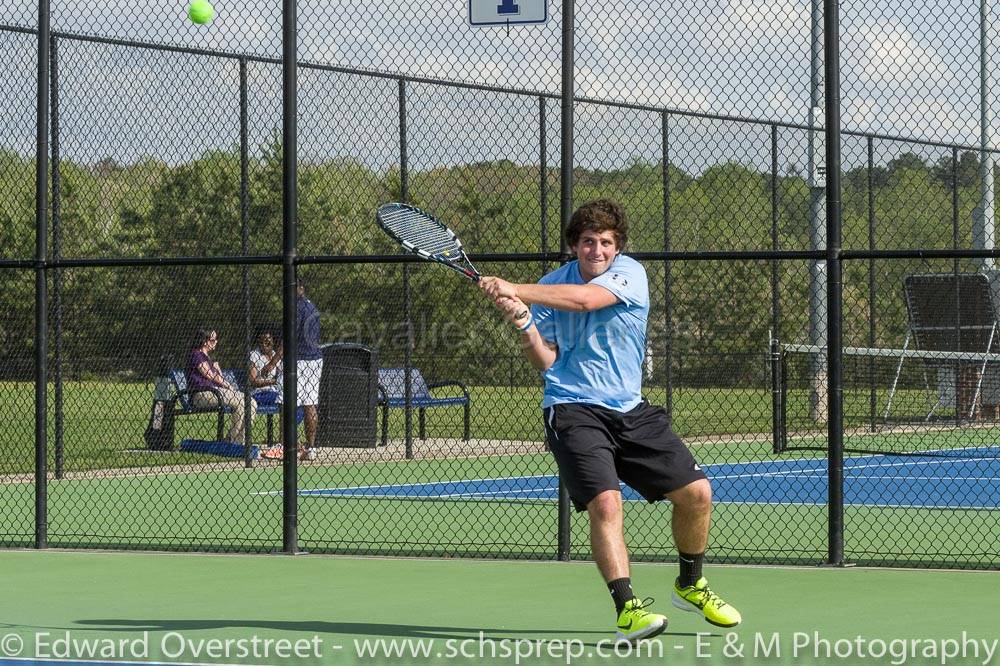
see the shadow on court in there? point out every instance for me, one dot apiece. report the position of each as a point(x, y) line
point(351, 629)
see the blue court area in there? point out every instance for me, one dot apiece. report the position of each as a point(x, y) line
point(971, 481)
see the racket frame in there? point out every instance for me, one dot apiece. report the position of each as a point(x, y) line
point(471, 272)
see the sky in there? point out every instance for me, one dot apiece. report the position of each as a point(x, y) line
point(908, 67)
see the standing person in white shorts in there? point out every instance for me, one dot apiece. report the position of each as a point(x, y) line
point(309, 366)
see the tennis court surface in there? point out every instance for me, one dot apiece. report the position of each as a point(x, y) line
point(967, 479)
point(350, 610)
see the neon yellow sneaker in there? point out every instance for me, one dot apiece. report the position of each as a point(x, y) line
point(635, 622)
point(698, 598)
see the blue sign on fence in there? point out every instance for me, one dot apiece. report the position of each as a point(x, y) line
point(507, 12)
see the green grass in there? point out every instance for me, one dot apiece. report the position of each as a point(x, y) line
point(102, 421)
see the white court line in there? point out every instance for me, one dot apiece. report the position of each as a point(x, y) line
point(873, 455)
point(939, 461)
point(907, 478)
point(707, 466)
point(411, 485)
point(466, 495)
point(806, 471)
point(859, 505)
point(803, 473)
point(793, 472)
point(332, 494)
point(863, 505)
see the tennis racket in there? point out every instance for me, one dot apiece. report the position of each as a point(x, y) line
point(426, 236)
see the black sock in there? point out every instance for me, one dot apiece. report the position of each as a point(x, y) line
point(621, 591)
point(690, 568)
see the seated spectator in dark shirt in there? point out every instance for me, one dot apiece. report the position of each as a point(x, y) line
point(204, 374)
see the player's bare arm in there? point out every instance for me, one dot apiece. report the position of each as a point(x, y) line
point(540, 353)
point(571, 297)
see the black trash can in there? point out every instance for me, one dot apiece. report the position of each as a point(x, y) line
point(348, 392)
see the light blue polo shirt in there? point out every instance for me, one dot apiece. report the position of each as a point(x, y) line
point(600, 354)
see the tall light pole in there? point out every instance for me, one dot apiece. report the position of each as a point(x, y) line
point(817, 219)
point(983, 229)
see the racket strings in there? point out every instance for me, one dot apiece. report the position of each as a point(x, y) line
point(421, 232)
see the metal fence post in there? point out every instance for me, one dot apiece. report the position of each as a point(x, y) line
point(404, 188)
point(668, 314)
point(57, 355)
point(958, 290)
point(872, 400)
point(775, 239)
point(244, 251)
point(543, 183)
point(834, 289)
point(41, 284)
point(289, 430)
point(565, 211)
point(775, 351)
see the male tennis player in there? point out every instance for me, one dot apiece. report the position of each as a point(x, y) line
point(586, 334)
point(309, 366)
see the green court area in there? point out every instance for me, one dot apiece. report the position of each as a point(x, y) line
point(117, 495)
point(261, 609)
point(225, 506)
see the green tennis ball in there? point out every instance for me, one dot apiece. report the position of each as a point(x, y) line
point(201, 12)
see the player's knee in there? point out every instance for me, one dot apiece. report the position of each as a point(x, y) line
point(606, 506)
point(696, 496)
point(703, 494)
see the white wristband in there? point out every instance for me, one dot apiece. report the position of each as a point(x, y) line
point(527, 324)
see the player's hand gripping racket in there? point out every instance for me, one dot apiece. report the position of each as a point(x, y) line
point(425, 236)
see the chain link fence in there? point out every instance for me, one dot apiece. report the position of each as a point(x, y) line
point(705, 120)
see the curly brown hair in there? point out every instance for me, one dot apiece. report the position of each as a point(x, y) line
point(598, 216)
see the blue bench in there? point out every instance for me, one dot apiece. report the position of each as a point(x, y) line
point(392, 395)
point(182, 404)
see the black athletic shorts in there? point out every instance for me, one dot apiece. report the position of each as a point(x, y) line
point(595, 447)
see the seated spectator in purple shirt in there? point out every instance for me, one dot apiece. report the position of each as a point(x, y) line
point(204, 374)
